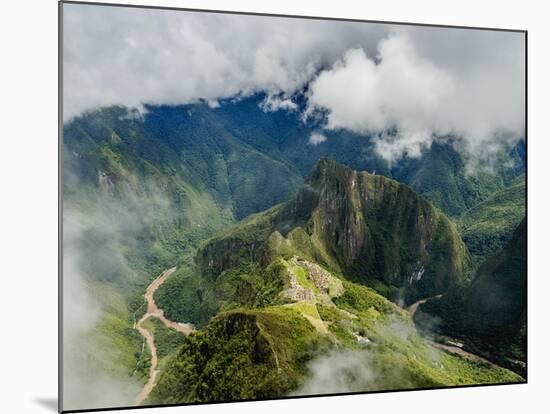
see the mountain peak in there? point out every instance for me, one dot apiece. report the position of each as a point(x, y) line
point(324, 163)
point(328, 168)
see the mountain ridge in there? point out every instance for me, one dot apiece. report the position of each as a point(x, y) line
point(345, 219)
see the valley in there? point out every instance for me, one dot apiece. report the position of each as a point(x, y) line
point(274, 281)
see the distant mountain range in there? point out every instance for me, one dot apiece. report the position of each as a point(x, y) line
point(237, 148)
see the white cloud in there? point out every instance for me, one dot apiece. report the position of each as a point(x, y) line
point(316, 138)
point(86, 382)
point(116, 55)
point(407, 100)
point(274, 103)
point(341, 372)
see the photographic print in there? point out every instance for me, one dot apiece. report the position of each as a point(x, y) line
point(258, 207)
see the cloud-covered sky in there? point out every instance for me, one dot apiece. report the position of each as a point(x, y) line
point(407, 85)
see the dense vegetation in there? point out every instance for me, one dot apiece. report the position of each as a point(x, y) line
point(442, 174)
point(144, 192)
point(167, 340)
point(140, 193)
point(241, 355)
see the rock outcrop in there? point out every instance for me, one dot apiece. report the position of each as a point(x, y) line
point(369, 227)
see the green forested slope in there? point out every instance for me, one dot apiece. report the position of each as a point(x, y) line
point(285, 316)
point(487, 227)
point(272, 351)
point(444, 174)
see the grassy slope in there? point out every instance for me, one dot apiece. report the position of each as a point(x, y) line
point(167, 340)
point(388, 225)
point(441, 175)
point(119, 260)
point(194, 294)
point(371, 227)
point(108, 356)
point(240, 355)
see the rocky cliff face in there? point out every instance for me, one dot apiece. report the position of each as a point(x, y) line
point(378, 228)
point(370, 227)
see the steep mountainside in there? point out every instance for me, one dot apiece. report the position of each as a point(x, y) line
point(490, 313)
point(225, 147)
point(186, 143)
point(487, 227)
point(355, 337)
point(378, 228)
point(441, 175)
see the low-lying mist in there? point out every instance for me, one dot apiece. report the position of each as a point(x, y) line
point(341, 371)
point(86, 381)
point(103, 231)
point(373, 368)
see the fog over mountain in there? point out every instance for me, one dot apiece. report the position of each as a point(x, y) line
point(410, 85)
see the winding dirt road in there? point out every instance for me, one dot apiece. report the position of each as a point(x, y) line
point(414, 307)
point(154, 311)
